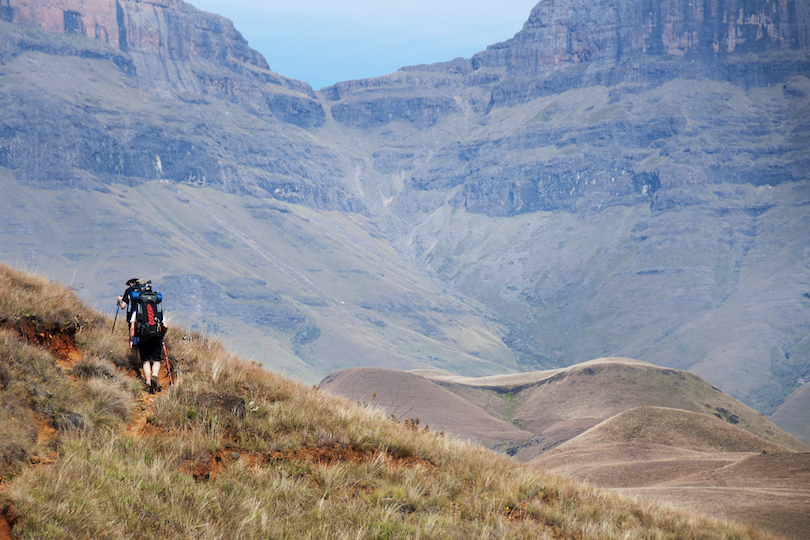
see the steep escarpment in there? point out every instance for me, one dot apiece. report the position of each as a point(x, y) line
point(215, 115)
point(637, 128)
point(606, 37)
point(160, 36)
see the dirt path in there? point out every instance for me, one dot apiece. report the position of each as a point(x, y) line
point(5, 528)
point(63, 347)
point(145, 406)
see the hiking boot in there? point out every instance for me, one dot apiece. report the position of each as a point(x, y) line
point(155, 384)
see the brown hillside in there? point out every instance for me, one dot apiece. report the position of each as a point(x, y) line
point(694, 462)
point(673, 428)
point(557, 405)
point(232, 451)
point(408, 396)
point(652, 446)
point(794, 414)
point(584, 395)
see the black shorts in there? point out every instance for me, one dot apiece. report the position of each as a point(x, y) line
point(149, 349)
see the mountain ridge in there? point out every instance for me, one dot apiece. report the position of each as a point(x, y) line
point(553, 407)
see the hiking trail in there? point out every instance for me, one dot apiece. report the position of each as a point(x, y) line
point(62, 346)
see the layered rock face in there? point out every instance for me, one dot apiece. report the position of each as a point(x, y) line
point(158, 34)
point(188, 60)
point(564, 33)
point(636, 143)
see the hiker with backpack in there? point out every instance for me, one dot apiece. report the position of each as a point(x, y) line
point(146, 330)
point(125, 300)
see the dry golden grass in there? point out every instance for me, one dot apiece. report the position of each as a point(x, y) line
point(235, 452)
point(42, 303)
point(675, 428)
point(698, 463)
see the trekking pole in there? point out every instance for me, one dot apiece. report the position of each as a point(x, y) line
point(168, 365)
point(117, 309)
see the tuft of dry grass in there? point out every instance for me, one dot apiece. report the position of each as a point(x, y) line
point(40, 302)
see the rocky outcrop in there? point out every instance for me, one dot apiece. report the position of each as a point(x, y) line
point(191, 63)
point(169, 29)
point(611, 42)
point(175, 48)
point(563, 33)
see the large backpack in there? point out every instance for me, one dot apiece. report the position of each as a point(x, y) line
point(133, 289)
point(149, 314)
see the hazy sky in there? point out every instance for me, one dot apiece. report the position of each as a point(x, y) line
point(326, 41)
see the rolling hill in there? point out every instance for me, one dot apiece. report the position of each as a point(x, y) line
point(552, 406)
point(617, 423)
point(694, 462)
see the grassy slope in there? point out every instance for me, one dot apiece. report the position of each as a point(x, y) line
point(694, 462)
point(291, 462)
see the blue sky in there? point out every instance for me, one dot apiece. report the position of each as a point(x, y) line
point(323, 42)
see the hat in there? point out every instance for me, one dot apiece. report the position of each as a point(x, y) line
point(132, 279)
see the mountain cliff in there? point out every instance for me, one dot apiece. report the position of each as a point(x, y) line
point(188, 63)
point(564, 33)
point(626, 138)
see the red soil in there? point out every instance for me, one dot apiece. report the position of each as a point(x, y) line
point(209, 466)
point(62, 344)
point(8, 518)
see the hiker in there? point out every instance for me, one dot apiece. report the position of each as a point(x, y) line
point(125, 300)
point(146, 330)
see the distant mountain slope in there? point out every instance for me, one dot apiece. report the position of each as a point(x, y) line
point(160, 91)
point(302, 291)
point(692, 461)
point(410, 397)
point(558, 406)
